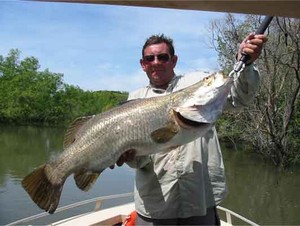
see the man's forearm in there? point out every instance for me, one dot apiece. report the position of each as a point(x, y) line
point(244, 88)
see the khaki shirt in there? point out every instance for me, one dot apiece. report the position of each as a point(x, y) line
point(191, 178)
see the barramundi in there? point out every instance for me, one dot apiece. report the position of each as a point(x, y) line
point(151, 125)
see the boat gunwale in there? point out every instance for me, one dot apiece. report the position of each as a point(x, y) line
point(98, 200)
point(73, 205)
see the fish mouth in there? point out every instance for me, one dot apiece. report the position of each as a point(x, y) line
point(187, 123)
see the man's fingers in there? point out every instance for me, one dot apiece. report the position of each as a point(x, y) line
point(125, 157)
point(130, 155)
point(252, 46)
point(112, 166)
point(121, 160)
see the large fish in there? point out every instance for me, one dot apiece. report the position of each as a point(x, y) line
point(149, 126)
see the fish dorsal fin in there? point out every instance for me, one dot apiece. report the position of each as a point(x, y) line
point(164, 134)
point(70, 135)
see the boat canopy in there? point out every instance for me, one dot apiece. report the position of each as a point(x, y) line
point(262, 7)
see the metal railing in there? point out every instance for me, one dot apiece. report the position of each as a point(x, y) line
point(230, 213)
point(98, 201)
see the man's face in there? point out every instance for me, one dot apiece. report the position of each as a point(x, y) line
point(158, 65)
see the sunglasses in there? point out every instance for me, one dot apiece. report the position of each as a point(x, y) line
point(163, 57)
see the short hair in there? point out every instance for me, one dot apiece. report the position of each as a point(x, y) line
point(157, 39)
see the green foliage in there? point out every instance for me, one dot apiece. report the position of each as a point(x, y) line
point(271, 124)
point(30, 96)
point(227, 130)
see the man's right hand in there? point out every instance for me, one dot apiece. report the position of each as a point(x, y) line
point(125, 157)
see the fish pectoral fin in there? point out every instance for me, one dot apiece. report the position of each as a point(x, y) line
point(85, 179)
point(164, 134)
point(44, 193)
point(73, 129)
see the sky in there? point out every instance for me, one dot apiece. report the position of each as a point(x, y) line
point(98, 47)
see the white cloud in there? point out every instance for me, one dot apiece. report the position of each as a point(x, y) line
point(99, 46)
point(117, 81)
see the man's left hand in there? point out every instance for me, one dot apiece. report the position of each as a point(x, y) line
point(252, 46)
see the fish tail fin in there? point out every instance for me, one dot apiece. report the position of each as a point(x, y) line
point(41, 190)
point(85, 179)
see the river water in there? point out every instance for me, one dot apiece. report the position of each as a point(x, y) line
point(257, 190)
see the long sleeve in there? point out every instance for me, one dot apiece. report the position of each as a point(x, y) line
point(244, 88)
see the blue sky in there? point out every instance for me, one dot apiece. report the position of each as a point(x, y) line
point(98, 47)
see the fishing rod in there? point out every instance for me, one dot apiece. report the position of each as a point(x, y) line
point(262, 28)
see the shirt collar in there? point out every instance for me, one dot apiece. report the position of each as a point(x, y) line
point(170, 87)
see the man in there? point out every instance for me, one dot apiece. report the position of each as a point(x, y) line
point(185, 185)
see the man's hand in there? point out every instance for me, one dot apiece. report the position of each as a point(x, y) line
point(252, 46)
point(126, 157)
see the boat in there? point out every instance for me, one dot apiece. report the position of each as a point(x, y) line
point(110, 210)
point(117, 214)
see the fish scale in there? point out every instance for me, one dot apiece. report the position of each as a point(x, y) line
point(148, 126)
